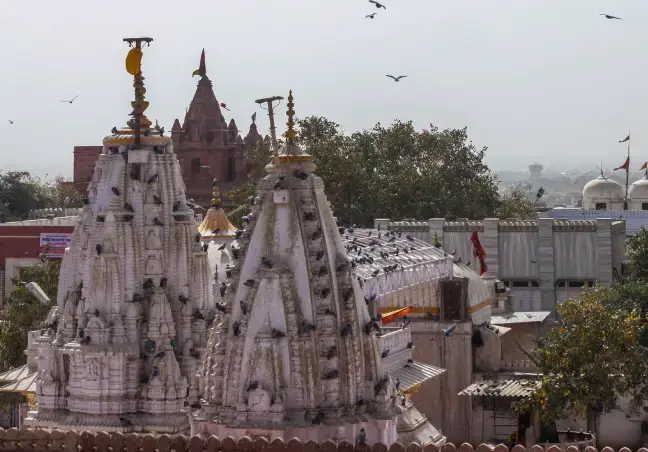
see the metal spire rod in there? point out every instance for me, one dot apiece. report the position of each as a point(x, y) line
point(625, 200)
point(268, 101)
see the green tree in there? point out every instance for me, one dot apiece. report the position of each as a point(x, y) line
point(23, 312)
point(515, 203)
point(638, 254)
point(398, 172)
point(20, 192)
point(591, 357)
point(256, 159)
point(61, 192)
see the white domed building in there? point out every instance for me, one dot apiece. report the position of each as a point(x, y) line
point(638, 194)
point(603, 194)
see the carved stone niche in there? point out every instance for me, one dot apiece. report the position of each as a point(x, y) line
point(98, 329)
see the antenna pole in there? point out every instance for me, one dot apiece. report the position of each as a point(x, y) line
point(273, 130)
point(625, 200)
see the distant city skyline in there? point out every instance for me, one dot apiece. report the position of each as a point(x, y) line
point(553, 82)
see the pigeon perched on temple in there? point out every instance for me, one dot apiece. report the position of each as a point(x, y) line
point(277, 334)
point(252, 386)
point(362, 436)
point(319, 417)
point(125, 422)
point(153, 178)
point(98, 247)
point(266, 262)
point(348, 329)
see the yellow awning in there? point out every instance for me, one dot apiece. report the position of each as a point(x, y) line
point(393, 315)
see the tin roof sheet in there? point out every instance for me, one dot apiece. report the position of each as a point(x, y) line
point(415, 373)
point(17, 373)
point(502, 388)
point(519, 317)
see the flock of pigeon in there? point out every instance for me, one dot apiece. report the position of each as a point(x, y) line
point(397, 78)
point(64, 101)
point(378, 5)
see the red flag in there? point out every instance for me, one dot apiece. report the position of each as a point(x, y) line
point(625, 166)
point(224, 106)
point(644, 166)
point(479, 253)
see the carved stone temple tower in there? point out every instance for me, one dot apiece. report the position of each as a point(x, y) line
point(124, 343)
point(294, 351)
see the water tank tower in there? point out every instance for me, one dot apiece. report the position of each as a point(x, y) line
point(535, 172)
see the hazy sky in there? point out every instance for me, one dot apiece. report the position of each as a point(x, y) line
point(534, 80)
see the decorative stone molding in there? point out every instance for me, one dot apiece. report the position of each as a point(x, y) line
point(257, 441)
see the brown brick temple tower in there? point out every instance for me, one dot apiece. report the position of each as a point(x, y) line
point(206, 144)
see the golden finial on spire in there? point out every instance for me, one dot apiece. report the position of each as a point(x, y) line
point(216, 201)
point(139, 121)
point(290, 133)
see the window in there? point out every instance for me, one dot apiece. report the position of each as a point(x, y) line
point(195, 166)
point(231, 169)
point(600, 206)
point(644, 206)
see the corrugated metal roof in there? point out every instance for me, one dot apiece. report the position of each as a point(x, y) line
point(502, 388)
point(27, 384)
point(14, 374)
point(415, 373)
point(519, 317)
point(373, 250)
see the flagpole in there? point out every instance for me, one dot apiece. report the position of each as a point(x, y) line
point(625, 200)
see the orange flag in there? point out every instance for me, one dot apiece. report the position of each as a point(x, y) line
point(644, 166)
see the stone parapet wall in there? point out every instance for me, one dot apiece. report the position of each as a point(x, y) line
point(55, 440)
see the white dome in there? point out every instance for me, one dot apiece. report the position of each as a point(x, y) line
point(603, 188)
point(639, 189)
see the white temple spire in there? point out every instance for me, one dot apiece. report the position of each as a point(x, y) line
point(135, 293)
point(295, 350)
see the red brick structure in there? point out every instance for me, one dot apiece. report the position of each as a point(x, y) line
point(206, 144)
point(19, 248)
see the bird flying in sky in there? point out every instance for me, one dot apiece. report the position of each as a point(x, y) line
point(378, 5)
point(450, 330)
point(608, 16)
point(70, 101)
point(396, 79)
point(370, 16)
point(10, 121)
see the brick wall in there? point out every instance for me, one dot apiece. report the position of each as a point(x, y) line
point(84, 163)
point(22, 242)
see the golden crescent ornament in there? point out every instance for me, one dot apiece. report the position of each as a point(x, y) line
point(134, 61)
